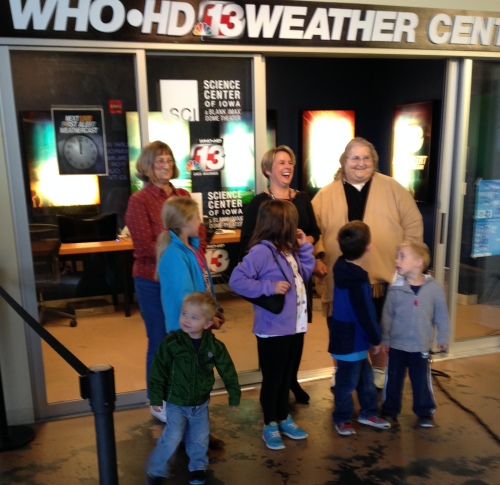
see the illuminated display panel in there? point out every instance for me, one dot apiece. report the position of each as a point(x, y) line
point(238, 142)
point(325, 133)
point(47, 187)
point(411, 148)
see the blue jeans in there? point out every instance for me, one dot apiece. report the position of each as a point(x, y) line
point(419, 370)
point(148, 296)
point(190, 422)
point(354, 376)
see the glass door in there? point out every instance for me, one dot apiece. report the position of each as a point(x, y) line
point(72, 134)
point(203, 107)
point(478, 293)
point(467, 248)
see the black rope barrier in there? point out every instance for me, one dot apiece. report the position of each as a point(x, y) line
point(97, 384)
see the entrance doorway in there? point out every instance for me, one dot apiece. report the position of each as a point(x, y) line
point(372, 88)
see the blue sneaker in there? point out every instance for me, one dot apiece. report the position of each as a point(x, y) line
point(292, 430)
point(198, 477)
point(272, 437)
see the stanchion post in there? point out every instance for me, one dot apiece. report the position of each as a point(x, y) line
point(99, 387)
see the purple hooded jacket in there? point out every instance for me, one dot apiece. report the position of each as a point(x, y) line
point(256, 276)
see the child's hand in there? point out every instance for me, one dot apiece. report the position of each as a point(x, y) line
point(376, 349)
point(443, 347)
point(158, 409)
point(281, 287)
point(218, 320)
point(301, 237)
point(385, 349)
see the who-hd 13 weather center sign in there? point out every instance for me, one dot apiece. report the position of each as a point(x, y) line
point(257, 23)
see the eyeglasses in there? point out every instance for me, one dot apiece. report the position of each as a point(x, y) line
point(359, 159)
point(161, 162)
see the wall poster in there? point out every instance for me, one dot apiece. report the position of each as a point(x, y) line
point(80, 140)
point(411, 148)
point(205, 114)
point(486, 238)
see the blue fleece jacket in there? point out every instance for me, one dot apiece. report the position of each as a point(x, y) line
point(353, 325)
point(256, 276)
point(179, 274)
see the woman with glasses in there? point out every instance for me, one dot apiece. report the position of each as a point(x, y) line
point(360, 192)
point(278, 166)
point(155, 167)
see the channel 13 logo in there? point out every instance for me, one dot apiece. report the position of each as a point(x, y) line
point(220, 19)
point(207, 157)
point(217, 260)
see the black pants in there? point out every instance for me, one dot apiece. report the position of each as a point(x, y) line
point(276, 358)
point(419, 371)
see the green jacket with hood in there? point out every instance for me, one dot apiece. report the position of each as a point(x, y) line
point(184, 376)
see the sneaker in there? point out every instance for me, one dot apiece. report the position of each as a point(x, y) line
point(272, 437)
point(379, 377)
point(332, 380)
point(375, 421)
point(301, 396)
point(198, 477)
point(426, 422)
point(391, 419)
point(160, 415)
point(292, 430)
point(150, 480)
point(345, 429)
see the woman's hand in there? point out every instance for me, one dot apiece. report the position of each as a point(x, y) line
point(320, 268)
point(281, 287)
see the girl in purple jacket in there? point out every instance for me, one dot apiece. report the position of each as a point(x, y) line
point(280, 260)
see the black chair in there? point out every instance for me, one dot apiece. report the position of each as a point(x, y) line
point(45, 245)
point(98, 228)
point(99, 269)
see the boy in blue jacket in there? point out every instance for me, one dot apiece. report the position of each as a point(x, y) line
point(182, 374)
point(353, 328)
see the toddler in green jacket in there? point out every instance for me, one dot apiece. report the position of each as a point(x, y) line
point(182, 375)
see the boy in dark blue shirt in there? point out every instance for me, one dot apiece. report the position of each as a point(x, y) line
point(353, 328)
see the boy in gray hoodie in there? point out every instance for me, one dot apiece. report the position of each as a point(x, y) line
point(414, 309)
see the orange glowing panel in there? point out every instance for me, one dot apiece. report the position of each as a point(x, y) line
point(325, 133)
point(411, 148)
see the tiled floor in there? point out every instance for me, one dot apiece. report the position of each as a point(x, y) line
point(463, 449)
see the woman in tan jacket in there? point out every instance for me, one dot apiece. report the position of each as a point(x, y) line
point(359, 192)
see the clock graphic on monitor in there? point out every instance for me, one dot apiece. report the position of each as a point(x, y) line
point(80, 151)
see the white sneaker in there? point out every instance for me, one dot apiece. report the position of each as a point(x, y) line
point(332, 380)
point(379, 377)
point(160, 415)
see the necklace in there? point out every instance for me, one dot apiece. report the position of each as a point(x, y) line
point(290, 194)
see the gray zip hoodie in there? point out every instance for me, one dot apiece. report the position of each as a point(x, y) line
point(409, 321)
